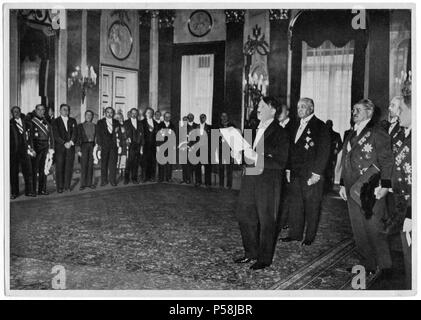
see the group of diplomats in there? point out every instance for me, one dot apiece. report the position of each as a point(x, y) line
point(120, 147)
point(299, 161)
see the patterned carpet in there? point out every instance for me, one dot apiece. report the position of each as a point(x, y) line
point(158, 236)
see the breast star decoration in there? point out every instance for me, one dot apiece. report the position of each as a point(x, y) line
point(407, 168)
point(309, 141)
point(364, 138)
point(368, 148)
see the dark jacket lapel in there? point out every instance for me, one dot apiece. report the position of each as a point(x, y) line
point(368, 127)
point(269, 130)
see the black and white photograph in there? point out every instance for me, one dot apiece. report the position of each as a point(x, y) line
point(228, 148)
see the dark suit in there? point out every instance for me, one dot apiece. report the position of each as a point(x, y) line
point(308, 155)
point(284, 203)
point(165, 170)
point(43, 140)
point(335, 148)
point(258, 201)
point(20, 141)
point(201, 140)
point(107, 142)
point(137, 141)
point(402, 192)
point(64, 157)
point(149, 150)
point(86, 145)
point(189, 168)
point(225, 165)
point(397, 135)
point(371, 146)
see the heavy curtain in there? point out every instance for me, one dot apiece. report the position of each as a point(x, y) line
point(314, 27)
point(326, 78)
point(197, 85)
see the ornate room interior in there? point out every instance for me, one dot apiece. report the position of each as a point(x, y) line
point(135, 58)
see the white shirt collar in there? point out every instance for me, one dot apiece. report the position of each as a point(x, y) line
point(190, 123)
point(306, 119)
point(167, 123)
point(360, 126)
point(64, 118)
point(394, 120)
point(19, 120)
point(150, 121)
point(109, 120)
point(264, 125)
point(284, 122)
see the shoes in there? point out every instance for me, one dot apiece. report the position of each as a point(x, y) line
point(60, 190)
point(114, 184)
point(126, 182)
point(288, 239)
point(103, 184)
point(13, 196)
point(30, 194)
point(82, 188)
point(92, 186)
point(43, 193)
point(306, 243)
point(197, 184)
point(258, 266)
point(135, 182)
point(242, 260)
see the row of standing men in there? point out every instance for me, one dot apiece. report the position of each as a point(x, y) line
point(126, 145)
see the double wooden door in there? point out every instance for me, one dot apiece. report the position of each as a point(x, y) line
point(118, 89)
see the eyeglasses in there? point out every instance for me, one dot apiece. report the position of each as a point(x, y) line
point(358, 110)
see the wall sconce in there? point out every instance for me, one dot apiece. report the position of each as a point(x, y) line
point(84, 77)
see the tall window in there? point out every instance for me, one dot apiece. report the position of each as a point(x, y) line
point(197, 85)
point(326, 78)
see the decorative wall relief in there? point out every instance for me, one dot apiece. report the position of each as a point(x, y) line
point(120, 38)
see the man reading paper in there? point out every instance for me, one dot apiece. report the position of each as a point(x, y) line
point(261, 183)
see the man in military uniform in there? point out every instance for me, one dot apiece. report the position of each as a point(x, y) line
point(402, 187)
point(368, 144)
point(42, 136)
point(393, 126)
point(20, 149)
point(397, 134)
